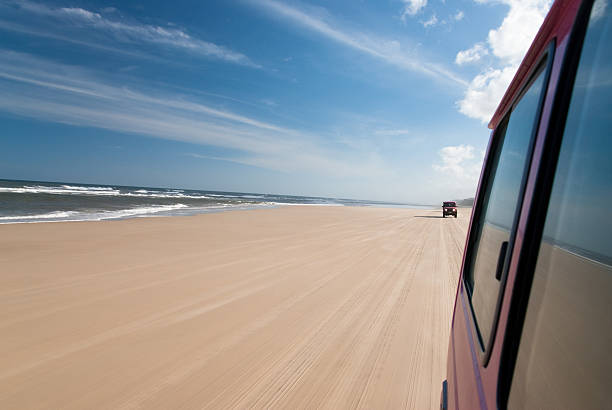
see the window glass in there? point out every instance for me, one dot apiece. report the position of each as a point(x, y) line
point(564, 358)
point(499, 207)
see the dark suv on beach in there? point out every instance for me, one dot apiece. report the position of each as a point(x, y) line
point(449, 208)
point(532, 322)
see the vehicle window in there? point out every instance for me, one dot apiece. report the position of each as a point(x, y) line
point(501, 201)
point(564, 358)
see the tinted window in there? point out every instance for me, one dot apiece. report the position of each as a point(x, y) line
point(501, 200)
point(564, 358)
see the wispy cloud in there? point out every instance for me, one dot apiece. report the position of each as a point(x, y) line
point(18, 28)
point(471, 55)
point(268, 102)
point(433, 20)
point(412, 7)
point(40, 89)
point(389, 51)
point(393, 132)
point(453, 159)
point(460, 165)
point(116, 31)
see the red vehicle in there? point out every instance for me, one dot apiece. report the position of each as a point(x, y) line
point(449, 208)
point(532, 322)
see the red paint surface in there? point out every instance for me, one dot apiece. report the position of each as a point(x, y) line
point(463, 389)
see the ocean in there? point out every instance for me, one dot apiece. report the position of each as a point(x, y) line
point(37, 201)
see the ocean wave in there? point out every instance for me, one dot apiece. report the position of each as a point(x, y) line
point(225, 196)
point(143, 210)
point(72, 216)
point(162, 195)
point(50, 215)
point(98, 191)
point(88, 188)
point(60, 190)
point(136, 192)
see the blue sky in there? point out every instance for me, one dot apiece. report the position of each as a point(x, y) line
point(384, 100)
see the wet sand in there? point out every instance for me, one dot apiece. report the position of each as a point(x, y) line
point(294, 307)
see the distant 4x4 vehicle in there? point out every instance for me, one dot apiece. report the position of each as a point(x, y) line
point(449, 208)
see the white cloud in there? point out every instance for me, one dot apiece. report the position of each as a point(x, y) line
point(80, 13)
point(485, 92)
point(128, 33)
point(453, 156)
point(471, 55)
point(389, 51)
point(509, 43)
point(511, 40)
point(412, 7)
point(460, 165)
point(431, 22)
point(599, 9)
point(459, 16)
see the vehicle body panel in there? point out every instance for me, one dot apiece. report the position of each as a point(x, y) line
point(472, 382)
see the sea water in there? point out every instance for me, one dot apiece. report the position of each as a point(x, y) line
point(36, 201)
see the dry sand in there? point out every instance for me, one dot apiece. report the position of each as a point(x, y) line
point(295, 307)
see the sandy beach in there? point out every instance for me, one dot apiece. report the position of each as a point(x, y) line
point(292, 307)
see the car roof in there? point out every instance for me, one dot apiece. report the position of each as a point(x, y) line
point(557, 25)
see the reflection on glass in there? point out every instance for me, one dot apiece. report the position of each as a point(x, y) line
point(564, 359)
point(500, 205)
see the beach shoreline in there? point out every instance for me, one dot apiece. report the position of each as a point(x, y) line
point(39, 201)
point(288, 307)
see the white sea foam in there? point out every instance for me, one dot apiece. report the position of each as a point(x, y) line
point(51, 215)
point(144, 210)
point(71, 216)
point(63, 190)
point(88, 188)
point(162, 195)
point(226, 196)
point(106, 191)
point(97, 191)
point(178, 195)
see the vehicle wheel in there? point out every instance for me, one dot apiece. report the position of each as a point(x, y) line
point(443, 216)
point(455, 215)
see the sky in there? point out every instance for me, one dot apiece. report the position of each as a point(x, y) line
point(372, 99)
